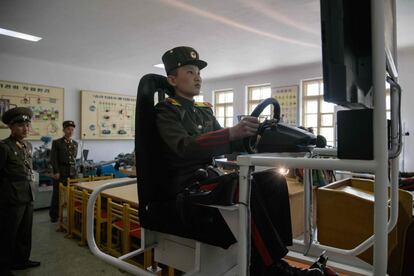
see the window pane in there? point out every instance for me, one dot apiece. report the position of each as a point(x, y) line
point(229, 111)
point(229, 122)
point(311, 107)
point(255, 94)
point(199, 98)
point(312, 89)
point(220, 98)
point(267, 111)
point(387, 102)
point(251, 108)
point(327, 120)
point(327, 132)
point(220, 120)
point(220, 111)
point(311, 120)
point(229, 97)
point(327, 107)
point(260, 93)
point(321, 88)
point(266, 92)
point(388, 115)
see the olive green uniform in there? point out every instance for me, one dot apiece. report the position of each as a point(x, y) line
point(63, 160)
point(16, 202)
point(192, 138)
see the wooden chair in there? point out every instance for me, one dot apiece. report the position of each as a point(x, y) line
point(64, 194)
point(71, 181)
point(104, 177)
point(125, 220)
point(63, 204)
point(77, 217)
point(116, 212)
point(101, 217)
point(79, 202)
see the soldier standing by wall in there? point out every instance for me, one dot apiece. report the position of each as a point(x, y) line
point(63, 160)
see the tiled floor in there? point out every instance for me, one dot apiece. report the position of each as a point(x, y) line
point(62, 256)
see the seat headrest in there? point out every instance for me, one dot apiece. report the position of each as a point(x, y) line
point(151, 83)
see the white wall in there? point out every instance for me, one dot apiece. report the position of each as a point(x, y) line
point(406, 77)
point(73, 79)
point(291, 76)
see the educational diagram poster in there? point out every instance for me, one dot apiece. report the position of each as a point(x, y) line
point(46, 102)
point(107, 116)
point(287, 96)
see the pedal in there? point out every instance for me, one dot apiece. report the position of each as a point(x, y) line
point(321, 263)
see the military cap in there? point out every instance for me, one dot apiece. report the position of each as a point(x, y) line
point(17, 115)
point(68, 124)
point(180, 56)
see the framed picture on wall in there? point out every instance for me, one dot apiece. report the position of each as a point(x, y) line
point(288, 96)
point(46, 102)
point(107, 116)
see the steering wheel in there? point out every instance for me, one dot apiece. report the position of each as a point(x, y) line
point(250, 143)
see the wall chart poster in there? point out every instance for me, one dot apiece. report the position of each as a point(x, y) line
point(46, 102)
point(107, 116)
point(287, 96)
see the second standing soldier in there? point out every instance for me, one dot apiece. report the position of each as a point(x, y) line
point(63, 160)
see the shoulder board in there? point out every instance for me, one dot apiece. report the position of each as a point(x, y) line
point(172, 101)
point(203, 104)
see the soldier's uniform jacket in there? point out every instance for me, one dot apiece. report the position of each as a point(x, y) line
point(63, 157)
point(192, 137)
point(16, 172)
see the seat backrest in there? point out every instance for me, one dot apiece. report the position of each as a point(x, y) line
point(149, 162)
point(115, 211)
point(77, 180)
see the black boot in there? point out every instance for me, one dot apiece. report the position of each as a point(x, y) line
point(282, 268)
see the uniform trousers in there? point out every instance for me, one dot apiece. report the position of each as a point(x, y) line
point(54, 204)
point(271, 229)
point(15, 234)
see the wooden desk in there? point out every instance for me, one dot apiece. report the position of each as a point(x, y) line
point(127, 194)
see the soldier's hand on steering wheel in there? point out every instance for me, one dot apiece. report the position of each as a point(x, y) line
point(246, 127)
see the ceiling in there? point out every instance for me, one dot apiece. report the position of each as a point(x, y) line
point(129, 36)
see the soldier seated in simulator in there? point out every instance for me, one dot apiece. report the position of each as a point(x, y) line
point(191, 136)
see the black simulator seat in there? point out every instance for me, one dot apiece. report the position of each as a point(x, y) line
point(157, 212)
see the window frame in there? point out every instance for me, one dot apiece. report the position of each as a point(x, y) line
point(225, 105)
point(319, 114)
point(250, 101)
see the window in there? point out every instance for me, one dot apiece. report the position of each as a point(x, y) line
point(256, 94)
point(223, 107)
point(388, 100)
point(317, 113)
point(199, 98)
